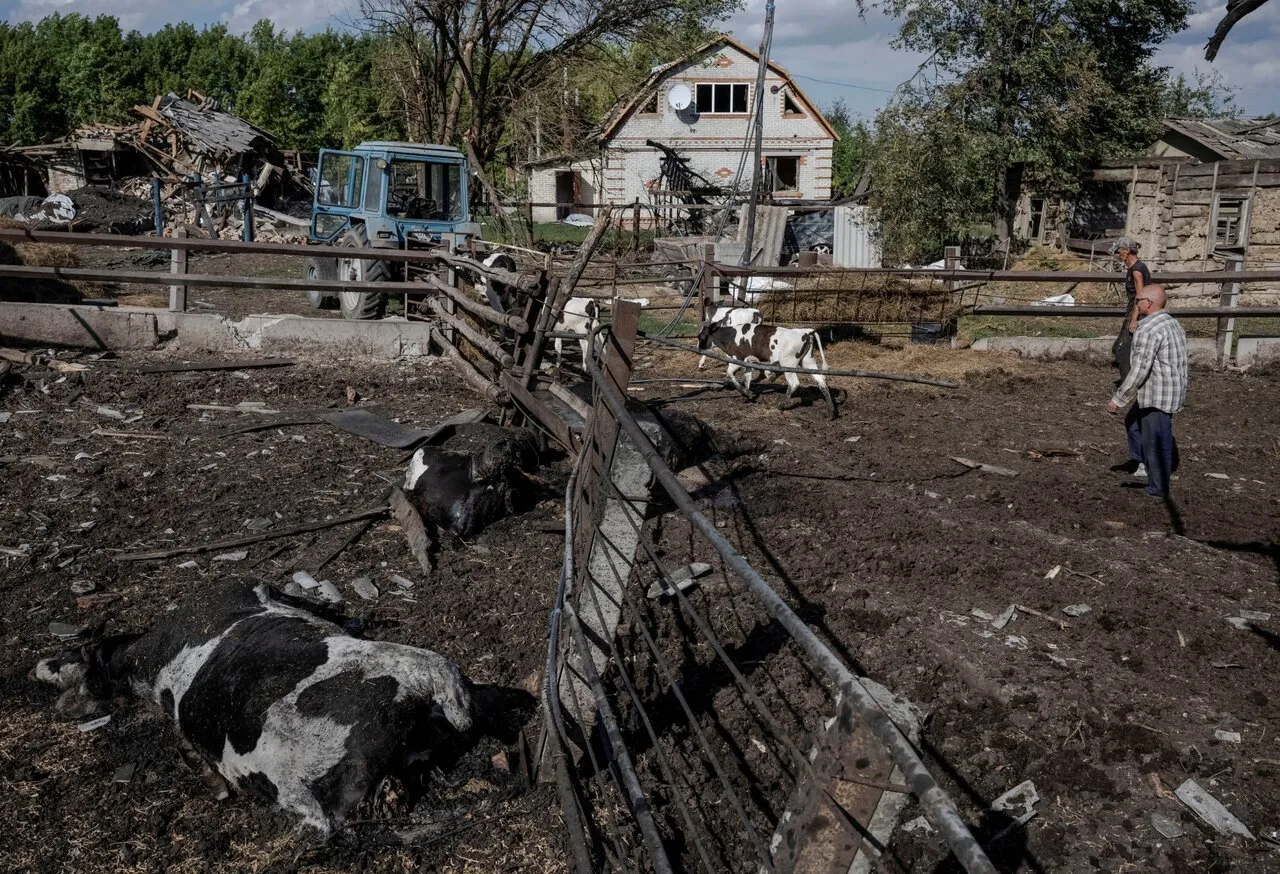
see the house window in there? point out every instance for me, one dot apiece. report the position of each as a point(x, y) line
point(722, 98)
point(783, 173)
point(650, 106)
point(790, 106)
point(1228, 223)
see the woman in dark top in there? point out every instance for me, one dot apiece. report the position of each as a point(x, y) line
point(1136, 277)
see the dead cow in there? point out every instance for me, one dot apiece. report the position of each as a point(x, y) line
point(475, 479)
point(731, 317)
point(581, 316)
point(280, 702)
point(769, 344)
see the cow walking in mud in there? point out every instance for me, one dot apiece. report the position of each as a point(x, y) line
point(769, 344)
point(280, 702)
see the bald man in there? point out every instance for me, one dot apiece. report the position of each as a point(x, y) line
point(1156, 385)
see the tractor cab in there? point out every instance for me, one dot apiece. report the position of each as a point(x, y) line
point(397, 191)
point(383, 195)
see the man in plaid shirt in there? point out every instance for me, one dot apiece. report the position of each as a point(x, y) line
point(1158, 380)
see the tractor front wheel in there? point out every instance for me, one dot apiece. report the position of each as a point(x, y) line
point(361, 304)
point(321, 269)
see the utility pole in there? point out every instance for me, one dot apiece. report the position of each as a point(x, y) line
point(766, 43)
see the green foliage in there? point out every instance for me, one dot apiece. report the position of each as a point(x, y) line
point(852, 151)
point(1050, 85)
point(309, 90)
point(1207, 97)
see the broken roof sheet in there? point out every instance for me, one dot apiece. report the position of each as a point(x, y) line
point(211, 130)
point(1235, 139)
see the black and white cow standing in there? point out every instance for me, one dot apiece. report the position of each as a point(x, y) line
point(280, 702)
point(581, 315)
point(731, 317)
point(498, 295)
point(769, 344)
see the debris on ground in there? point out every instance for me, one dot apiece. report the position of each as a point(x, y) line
point(985, 468)
point(683, 578)
point(1019, 802)
point(1167, 826)
point(1210, 810)
point(1076, 610)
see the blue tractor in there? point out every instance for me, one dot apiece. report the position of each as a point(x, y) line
point(383, 195)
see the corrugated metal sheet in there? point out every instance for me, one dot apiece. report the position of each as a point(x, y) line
point(771, 228)
point(855, 243)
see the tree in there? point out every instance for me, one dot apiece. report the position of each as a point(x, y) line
point(1208, 97)
point(461, 69)
point(851, 152)
point(1049, 84)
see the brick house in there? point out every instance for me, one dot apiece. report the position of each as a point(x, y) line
point(710, 134)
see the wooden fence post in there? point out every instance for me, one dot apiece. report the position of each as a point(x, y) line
point(178, 267)
point(635, 226)
point(1227, 324)
point(709, 293)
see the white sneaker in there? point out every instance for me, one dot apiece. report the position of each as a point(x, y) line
point(1141, 472)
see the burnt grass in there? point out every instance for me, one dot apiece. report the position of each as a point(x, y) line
point(864, 524)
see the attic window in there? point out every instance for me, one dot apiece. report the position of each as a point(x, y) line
point(1228, 223)
point(722, 98)
point(650, 106)
point(790, 106)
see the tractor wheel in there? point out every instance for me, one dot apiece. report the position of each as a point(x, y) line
point(361, 304)
point(321, 269)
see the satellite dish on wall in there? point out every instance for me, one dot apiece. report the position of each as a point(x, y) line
point(680, 97)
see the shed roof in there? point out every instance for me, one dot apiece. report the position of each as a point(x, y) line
point(1234, 139)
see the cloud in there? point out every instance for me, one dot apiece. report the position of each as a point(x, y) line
point(829, 40)
point(291, 16)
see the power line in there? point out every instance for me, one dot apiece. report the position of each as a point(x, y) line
point(843, 84)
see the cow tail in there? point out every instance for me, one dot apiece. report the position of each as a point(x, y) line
point(817, 338)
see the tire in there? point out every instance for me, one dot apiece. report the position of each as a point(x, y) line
point(361, 305)
point(320, 269)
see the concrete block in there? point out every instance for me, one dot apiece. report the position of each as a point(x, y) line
point(83, 327)
point(1202, 352)
point(1255, 351)
point(1049, 348)
point(296, 335)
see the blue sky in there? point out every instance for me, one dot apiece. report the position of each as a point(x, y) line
point(814, 39)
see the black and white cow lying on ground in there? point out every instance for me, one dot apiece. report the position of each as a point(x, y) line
point(478, 476)
point(280, 702)
point(769, 344)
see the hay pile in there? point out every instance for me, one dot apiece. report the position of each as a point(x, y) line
point(17, 290)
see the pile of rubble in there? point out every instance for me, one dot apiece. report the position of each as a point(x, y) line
point(204, 159)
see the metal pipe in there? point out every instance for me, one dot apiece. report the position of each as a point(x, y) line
point(935, 802)
point(551, 696)
point(628, 781)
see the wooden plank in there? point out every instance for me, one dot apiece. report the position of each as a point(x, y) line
point(543, 414)
point(246, 364)
point(415, 532)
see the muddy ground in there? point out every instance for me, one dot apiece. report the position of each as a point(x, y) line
point(882, 543)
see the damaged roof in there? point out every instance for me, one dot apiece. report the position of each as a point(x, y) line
point(209, 130)
point(1232, 139)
